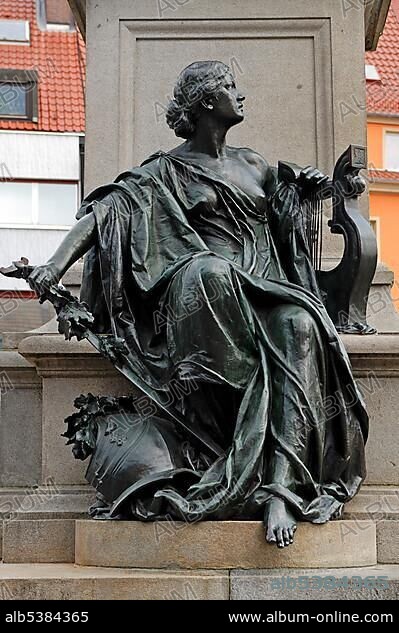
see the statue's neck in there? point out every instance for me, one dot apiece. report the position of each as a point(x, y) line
point(210, 140)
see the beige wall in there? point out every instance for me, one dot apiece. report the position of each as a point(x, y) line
point(300, 63)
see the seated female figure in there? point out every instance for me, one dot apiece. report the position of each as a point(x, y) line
point(188, 261)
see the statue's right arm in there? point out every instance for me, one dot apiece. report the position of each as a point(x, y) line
point(74, 245)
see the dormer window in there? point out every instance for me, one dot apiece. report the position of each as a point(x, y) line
point(14, 32)
point(55, 15)
point(18, 94)
point(372, 73)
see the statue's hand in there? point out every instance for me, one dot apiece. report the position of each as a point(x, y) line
point(43, 277)
point(311, 178)
point(356, 185)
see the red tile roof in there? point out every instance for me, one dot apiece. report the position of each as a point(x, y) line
point(59, 57)
point(381, 175)
point(383, 96)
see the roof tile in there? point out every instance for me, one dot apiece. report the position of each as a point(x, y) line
point(380, 175)
point(60, 60)
point(383, 96)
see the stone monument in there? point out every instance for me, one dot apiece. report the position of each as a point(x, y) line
point(48, 372)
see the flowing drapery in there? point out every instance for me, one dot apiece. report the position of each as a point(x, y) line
point(210, 290)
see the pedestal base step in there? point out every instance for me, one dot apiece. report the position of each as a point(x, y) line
point(380, 582)
point(222, 545)
point(71, 582)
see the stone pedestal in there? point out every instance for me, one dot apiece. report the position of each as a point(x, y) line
point(61, 370)
point(300, 64)
point(383, 304)
point(20, 421)
point(94, 560)
point(221, 545)
point(69, 582)
point(66, 369)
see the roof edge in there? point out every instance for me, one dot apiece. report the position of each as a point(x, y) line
point(376, 13)
point(78, 8)
point(378, 115)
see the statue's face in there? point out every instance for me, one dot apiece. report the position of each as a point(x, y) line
point(228, 103)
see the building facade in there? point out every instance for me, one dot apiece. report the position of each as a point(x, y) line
point(382, 75)
point(42, 122)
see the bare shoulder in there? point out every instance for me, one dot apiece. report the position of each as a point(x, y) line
point(254, 159)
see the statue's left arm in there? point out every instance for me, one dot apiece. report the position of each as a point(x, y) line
point(288, 222)
point(74, 245)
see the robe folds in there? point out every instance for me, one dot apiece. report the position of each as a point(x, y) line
point(215, 293)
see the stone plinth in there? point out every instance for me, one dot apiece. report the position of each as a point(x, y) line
point(305, 584)
point(290, 59)
point(42, 541)
point(221, 545)
point(68, 582)
point(378, 503)
point(68, 368)
point(375, 361)
point(20, 422)
point(382, 309)
point(39, 527)
point(388, 541)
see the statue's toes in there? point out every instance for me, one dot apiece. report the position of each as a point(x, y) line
point(287, 537)
point(271, 535)
point(280, 537)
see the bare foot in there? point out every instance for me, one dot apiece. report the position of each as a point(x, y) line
point(338, 513)
point(279, 523)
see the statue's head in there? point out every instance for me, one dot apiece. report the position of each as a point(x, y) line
point(205, 89)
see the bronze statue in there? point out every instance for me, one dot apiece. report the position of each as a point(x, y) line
point(195, 262)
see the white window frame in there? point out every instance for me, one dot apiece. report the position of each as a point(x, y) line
point(372, 73)
point(35, 211)
point(377, 220)
point(45, 25)
point(389, 130)
point(52, 26)
point(25, 42)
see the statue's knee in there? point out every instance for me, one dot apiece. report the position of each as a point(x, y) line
point(210, 270)
point(296, 320)
point(305, 323)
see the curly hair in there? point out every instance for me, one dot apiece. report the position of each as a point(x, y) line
point(195, 83)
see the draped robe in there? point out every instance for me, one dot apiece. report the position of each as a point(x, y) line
point(213, 291)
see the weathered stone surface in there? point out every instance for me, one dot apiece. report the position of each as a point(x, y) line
point(375, 361)
point(68, 582)
point(287, 584)
point(67, 369)
point(70, 368)
point(293, 80)
point(49, 501)
point(382, 305)
point(20, 421)
point(375, 15)
point(376, 503)
point(221, 545)
point(42, 541)
point(388, 542)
